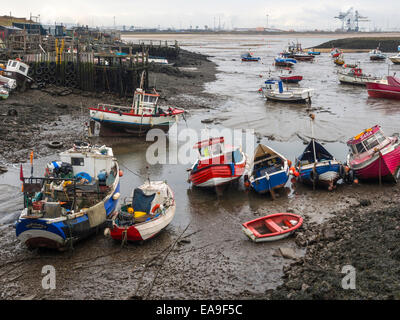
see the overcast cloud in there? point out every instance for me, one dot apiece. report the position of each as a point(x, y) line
point(288, 14)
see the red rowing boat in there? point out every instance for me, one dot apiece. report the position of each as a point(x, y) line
point(291, 79)
point(217, 164)
point(272, 227)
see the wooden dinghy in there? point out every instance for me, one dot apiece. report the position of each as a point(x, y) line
point(272, 227)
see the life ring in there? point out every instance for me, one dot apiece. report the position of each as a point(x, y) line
point(155, 208)
point(55, 144)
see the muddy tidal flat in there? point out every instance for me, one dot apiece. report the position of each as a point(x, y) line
point(203, 254)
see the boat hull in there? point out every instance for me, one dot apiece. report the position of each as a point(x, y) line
point(270, 228)
point(274, 181)
point(114, 123)
point(217, 174)
point(380, 90)
point(37, 233)
point(292, 79)
point(395, 60)
point(327, 172)
point(145, 230)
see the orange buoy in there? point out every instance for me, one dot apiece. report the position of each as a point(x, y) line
point(355, 181)
point(121, 173)
point(289, 163)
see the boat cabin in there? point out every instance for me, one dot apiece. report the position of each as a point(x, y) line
point(214, 151)
point(145, 103)
point(271, 85)
point(367, 140)
point(17, 67)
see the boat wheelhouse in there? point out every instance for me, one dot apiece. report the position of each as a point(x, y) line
point(372, 155)
point(355, 76)
point(143, 115)
point(73, 200)
point(218, 163)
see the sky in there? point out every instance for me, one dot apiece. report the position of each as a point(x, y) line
point(288, 14)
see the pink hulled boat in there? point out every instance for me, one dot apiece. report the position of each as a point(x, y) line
point(389, 88)
point(373, 155)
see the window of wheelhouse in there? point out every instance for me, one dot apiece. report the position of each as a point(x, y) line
point(358, 148)
point(77, 161)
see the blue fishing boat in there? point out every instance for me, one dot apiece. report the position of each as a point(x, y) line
point(249, 57)
point(73, 199)
point(316, 166)
point(314, 53)
point(269, 170)
point(281, 61)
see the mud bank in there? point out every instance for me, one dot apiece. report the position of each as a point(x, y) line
point(386, 44)
point(30, 120)
point(364, 236)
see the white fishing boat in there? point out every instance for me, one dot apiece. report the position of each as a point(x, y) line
point(356, 76)
point(274, 90)
point(143, 115)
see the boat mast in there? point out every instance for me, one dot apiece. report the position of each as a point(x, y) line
point(312, 116)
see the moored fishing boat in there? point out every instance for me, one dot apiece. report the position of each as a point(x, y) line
point(355, 76)
point(314, 53)
point(281, 61)
point(301, 56)
point(372, 155)
point(269, 170)
point(248, 56)
point(144, 115)
point(218, 163)
point(72, 200)
point(376, 54)
point(388, 88)
point(339, 60)
point(151, 210)
point(272, 227)
point(335, 52)
point(316, 166)
point(275, 91)
point(396, 59)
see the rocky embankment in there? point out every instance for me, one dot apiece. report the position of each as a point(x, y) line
point(386, 44)
point(364, 237)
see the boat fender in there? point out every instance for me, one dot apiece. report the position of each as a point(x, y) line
point(116, 196)
point(121, 173)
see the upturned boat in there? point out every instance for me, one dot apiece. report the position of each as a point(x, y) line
point(218, 163)
point(275, 91)
point(72, 200)
point(373, 155)
point(355, 76)
point(143, 115)
point(272, 227)
point(269, 170)
point(388, 88)
point(151, 210)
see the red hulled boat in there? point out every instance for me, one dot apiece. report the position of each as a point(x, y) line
point(218, 163)
point(373, 155)
point(389, 88)
point(272, 227)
